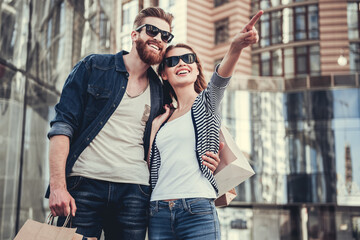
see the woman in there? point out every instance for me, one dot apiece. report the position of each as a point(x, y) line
point(184, 188)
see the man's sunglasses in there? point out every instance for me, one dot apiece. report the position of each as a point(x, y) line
point(174, 60)
point(153, 31)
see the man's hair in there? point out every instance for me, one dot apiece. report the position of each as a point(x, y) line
point(153, 12)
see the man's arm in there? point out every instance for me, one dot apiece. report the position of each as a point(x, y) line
point(60, 200)
point(212, 160)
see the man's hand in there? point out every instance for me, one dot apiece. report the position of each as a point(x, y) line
point(61, 203)
point(60, 200)
point(212, 160)
point(248, 35)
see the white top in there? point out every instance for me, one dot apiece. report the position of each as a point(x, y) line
point(117, 153)
point(179, 173)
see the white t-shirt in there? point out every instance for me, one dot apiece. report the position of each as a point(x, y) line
point(179, 173)
point(116, 154)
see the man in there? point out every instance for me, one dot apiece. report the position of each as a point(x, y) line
point(100, 134)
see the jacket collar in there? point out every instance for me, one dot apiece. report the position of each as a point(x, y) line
point(119, 61)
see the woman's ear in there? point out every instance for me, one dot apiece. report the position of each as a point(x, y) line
point(164, 76)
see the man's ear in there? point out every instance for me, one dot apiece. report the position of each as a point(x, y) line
point(134, 35)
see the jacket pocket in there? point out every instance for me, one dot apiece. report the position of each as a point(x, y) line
point(97, 99)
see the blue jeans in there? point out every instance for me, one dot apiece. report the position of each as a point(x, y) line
point(120, 209)
point(192, 218)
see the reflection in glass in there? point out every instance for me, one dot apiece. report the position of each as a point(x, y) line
point(12, 86)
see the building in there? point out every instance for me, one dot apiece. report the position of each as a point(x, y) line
point(293, 105)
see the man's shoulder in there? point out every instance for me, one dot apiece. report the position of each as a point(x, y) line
point(100, 60)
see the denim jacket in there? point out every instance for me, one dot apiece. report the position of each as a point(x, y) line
point(91, 93)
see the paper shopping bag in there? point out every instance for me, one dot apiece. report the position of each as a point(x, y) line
point(233, 168)
point(226, 198)
point(33, 230)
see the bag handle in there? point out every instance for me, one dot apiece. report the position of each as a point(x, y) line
point(50, 220)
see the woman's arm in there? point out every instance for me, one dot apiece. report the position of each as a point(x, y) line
point(156, 123)
point(246, 37)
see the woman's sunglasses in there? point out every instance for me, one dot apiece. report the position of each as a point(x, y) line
point(174, 60)
point(153, 31)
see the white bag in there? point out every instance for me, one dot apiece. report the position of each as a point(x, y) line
point(233, 168)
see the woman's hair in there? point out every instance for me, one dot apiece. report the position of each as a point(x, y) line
point(153, 12)
point(200, 83)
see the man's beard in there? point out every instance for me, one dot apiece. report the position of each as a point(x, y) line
point(147, 56)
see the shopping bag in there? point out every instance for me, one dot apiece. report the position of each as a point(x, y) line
point(226, 198)
point(233, 168)
point(33, 230)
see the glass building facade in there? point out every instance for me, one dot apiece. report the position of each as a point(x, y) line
point(299, 127)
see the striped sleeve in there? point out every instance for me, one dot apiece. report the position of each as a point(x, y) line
point(215, 90)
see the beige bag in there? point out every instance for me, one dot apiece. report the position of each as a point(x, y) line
point(233, 168)
point(226, 198)
point(33, 230)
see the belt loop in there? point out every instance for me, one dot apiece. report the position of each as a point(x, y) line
point(157, 206)
point(184, 202)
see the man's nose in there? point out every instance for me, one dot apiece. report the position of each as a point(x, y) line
point(158, 37)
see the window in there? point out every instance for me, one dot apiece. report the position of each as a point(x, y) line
point(220, 2)
point(307, 60)
point(276, 27)
point(265, 30)
point(265, 64)
point(353, 20)
point(289, 63)
point(301, 60)
point(313, 22)
point(289, 24)
point(354, 55)
point(277, 68)
point(300, 23)
point(255, 65)
point(104, 30)
point(221, 31)
point(129, 11)
point(314, 60)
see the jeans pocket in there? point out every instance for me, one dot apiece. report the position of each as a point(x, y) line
point(73, 182)
point(145, 190)
point(200, 206)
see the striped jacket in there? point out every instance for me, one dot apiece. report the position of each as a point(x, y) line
point(206, 120)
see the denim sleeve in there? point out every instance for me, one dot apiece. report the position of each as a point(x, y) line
point(70, 109)
point(216, 89)
point(61, 128)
